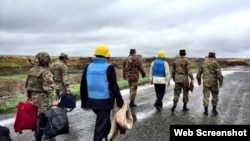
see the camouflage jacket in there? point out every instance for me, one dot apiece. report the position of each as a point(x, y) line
point(132, 66)
point(211, 71)
point(181, 69)
point(40, 80)
point(61, 74)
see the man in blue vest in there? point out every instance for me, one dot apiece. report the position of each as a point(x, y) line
point(159, 75)
point(99, 91)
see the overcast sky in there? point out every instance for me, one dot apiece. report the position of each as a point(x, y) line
point(76, 27)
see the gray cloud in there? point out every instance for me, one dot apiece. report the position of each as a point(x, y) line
point(77, 26)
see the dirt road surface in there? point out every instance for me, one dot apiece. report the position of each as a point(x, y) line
point(233, 108)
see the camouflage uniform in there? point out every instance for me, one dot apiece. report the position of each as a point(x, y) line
point(132, 66)
point(210, 69)
point(39, 84)
point(61, 76)
point(180, 73)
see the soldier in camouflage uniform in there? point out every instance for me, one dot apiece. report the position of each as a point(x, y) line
point(180, 73)
point(210, 69)
point(132, 66)
point(61, 74)
point(40, 86)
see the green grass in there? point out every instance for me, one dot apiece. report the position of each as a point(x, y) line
point(195, 70)
point(11, 104)
point(75, 89)
point(14, 76)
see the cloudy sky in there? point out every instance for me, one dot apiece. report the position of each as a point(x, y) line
point(76, 27)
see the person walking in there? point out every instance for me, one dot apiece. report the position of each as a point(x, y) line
point(60, 71)
point(132, 66)
point(99, 91)
point(159, 75)
point(181, 73)
point(210, 72)
point(40, 87)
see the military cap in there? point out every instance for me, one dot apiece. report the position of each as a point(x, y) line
point(64, 55)
point(182, 52)
point(132, 51)
point(211, 54)
point(43, 58)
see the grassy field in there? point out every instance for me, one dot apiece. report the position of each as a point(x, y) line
point(10, 102)
point(14, 69)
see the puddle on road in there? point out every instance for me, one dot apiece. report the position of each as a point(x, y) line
point(7, 121)
point(142, 115)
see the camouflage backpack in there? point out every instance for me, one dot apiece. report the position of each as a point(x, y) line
point(34, 80)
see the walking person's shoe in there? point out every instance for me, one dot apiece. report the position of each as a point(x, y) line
point(185, 109)
point(39, 133)
point(214, 111)
point(38, 139)
point(174, 106)
point(132, 104)
point(157, 107)
point(205, 111)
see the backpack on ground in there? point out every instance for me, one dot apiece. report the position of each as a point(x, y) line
point(67, 100)
point(56, 122)
point(4, 133)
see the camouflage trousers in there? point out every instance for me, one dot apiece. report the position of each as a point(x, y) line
point(179, 87)
point(42, 101)
point(206, 94)
point(133, 84)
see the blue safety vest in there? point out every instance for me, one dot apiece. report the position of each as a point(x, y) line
point(98, 86)
point(158, 68)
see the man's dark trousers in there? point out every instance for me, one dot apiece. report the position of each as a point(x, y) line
point(102, 125)
point(160, 92)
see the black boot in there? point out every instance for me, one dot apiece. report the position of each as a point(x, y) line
point(132, 104)
point(158, 108)
point(185, 109)
point(39, 134)
point(174, 106)
point(214, 111)
point(41, 123)
point(205, 111)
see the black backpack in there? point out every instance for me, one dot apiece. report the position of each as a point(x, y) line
point(56, 122)
point(4, 133)
point(67, 100)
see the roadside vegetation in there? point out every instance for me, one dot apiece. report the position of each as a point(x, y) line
point(9, 103)
point(13, 74)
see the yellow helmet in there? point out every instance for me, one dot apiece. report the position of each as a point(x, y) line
point(102, 50)
point(162, 54)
